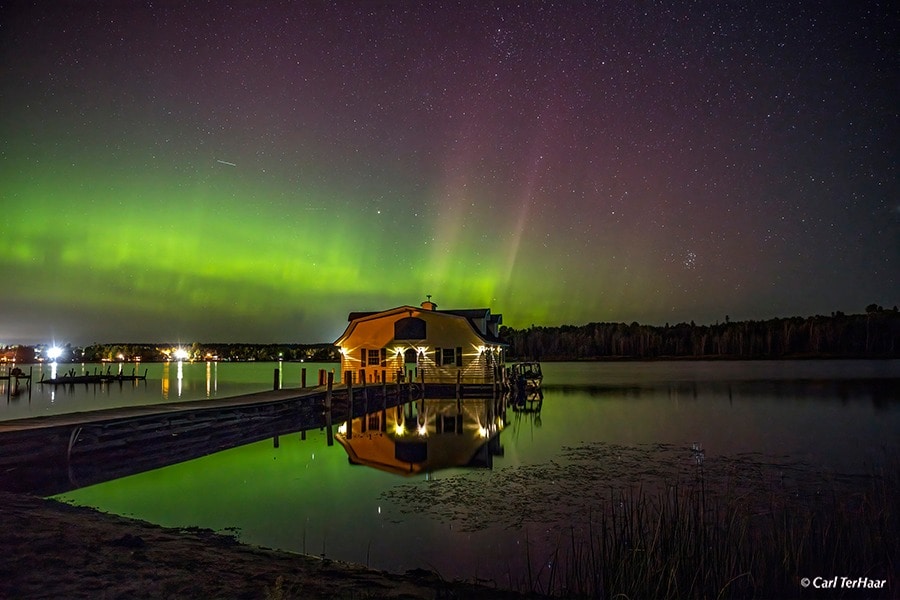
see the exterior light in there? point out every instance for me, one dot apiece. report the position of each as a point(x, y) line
point(181, 354)
point(422, 430)
point(54, 352)
point(399, 429)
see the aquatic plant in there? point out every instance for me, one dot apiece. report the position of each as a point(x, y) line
point(660, 521)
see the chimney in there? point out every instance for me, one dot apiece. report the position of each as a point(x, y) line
point(428, 304)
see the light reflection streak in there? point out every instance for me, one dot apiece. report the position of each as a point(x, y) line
point(165, 381)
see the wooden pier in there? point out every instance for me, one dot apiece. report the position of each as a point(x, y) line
point(52, 454)
point(13, 378)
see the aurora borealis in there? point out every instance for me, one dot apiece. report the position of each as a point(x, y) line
point(254, 171)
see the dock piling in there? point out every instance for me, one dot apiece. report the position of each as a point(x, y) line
point(328, 427)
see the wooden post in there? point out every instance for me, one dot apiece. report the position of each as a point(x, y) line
point(275, 441)
point(328, 409)
point(349, 375)
point(458, 383)
point(365, 395)
point(303, 377)
point(275, 380)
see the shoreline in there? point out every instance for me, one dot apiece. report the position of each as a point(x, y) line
point(50, 549)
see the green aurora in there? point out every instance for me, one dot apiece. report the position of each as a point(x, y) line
point(258, 175)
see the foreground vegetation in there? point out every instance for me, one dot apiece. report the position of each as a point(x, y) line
point(687, 542)
point(873, 334)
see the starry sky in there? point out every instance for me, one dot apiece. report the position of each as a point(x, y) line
point(254, 171)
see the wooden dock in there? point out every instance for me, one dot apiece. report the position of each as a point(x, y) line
point(55, 453)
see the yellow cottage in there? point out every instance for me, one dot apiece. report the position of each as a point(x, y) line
point(422, 342)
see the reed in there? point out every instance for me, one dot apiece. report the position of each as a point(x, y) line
point(687, 541)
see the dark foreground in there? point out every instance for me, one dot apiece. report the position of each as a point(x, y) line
point(53, 550)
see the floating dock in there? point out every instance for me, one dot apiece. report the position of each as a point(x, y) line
point(88, 378)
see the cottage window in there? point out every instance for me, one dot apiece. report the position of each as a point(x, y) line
point(448, 356)
point(409, 328)
point(374, 357)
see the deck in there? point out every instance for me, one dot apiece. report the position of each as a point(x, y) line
point(55, 453)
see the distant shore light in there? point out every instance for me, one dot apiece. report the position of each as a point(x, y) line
point(54, 352)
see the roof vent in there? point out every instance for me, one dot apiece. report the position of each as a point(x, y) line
point(428, 304)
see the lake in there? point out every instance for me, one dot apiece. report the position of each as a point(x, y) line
point(166, 382)
point(527, 477)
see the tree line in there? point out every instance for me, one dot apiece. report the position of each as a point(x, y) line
point(156, 352)
point(875, 334)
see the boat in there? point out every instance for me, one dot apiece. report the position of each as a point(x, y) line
point(526, 376)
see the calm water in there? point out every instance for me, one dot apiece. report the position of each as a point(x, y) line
point(790, 427)
point(166, 382)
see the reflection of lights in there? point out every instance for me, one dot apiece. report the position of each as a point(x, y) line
point(342, 428)
point(54, 352)
point(422, 349)
point(399, 429)
point(481, 349)
point(422, 430)
point(482, 431)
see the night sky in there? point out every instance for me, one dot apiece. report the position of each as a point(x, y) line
point(249, 171)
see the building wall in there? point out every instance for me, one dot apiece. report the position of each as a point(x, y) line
point(451, 346)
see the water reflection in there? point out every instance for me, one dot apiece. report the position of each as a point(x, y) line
point(165, 381)
point(426, 436)
point(881, 392)
point(212, 378)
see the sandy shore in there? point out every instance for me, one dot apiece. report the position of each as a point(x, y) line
point(50, 549)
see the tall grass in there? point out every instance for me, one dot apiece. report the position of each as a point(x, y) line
point(687, 542)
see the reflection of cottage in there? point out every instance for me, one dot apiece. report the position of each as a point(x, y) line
point(425, 436)
point(438, 345)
